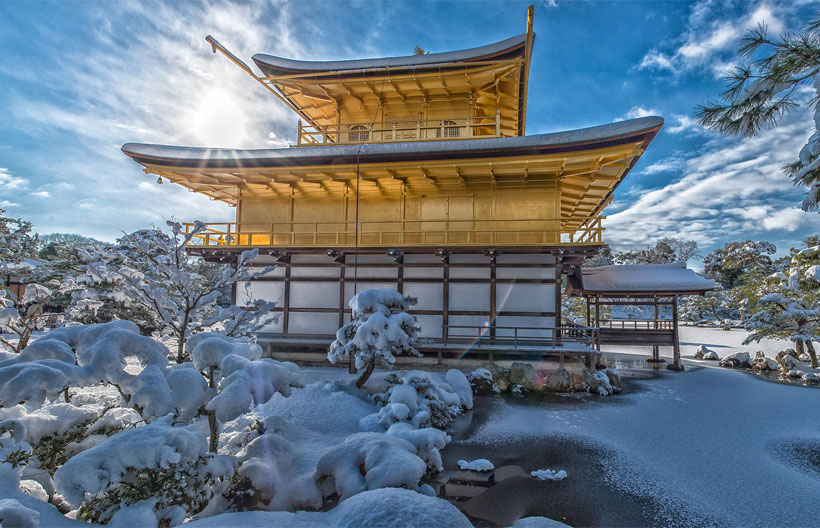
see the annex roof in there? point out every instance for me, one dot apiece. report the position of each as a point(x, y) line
point(642, 279)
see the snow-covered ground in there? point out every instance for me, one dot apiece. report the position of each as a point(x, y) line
point(724, 342)
point(705, 446)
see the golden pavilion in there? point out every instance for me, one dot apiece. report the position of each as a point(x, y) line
point(413, 173)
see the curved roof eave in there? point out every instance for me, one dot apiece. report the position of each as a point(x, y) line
point(273, 66)
point(641, 129)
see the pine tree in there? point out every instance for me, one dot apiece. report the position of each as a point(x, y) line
point(761, 91)
point(790, 304)
point(380, 329)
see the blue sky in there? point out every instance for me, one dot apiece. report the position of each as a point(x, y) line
point(79, 79)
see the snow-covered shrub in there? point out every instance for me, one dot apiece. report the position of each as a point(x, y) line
point(14, 450)
point(380, 329)
point(249, 383)
point(430, 403)
point(162, 463)
point(366, 461)
point(481, 380)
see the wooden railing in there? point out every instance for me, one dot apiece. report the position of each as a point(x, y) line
point(521, 335)
point(638, 324)
point(534, 232)
point(398, 130)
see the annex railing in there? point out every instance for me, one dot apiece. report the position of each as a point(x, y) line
point(473, 127)
point(379, 233)
point(639, 324)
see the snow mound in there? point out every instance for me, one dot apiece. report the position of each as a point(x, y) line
point(705, 353)
point(549, 474)
point(480, 464)
point(538, 522)
point(53, 419)
point(43, 349)
point(399, 508)
point(382, 508)
point(14, 514)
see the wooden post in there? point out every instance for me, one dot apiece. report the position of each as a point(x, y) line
point(656, 350)
point(558, 298)
point(589, 314)
point(676, 364)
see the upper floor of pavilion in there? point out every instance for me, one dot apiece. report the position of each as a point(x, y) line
point(473, 93)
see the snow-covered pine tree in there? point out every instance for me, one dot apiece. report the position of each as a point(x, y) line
point(381, 328)
point(790, 306)
point(762, 90)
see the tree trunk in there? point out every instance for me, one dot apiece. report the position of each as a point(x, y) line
point(181, 350)
point(213, 427)
point(798, 347)
point(714, 311)
point(812, 354)
point(366, 374)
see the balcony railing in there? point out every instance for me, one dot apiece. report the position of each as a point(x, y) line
point(398, 130)
point(407, 233)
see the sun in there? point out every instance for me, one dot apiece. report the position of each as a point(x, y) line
point(219, 121)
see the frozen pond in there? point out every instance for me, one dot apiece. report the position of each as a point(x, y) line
point(702, 447)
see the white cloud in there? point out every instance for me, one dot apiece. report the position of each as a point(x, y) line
point(41, 194)
point(789, 220)
point(9, 182)
point(732, 188)
point(712, 31)
point(683, 124)
point(638, 111)
point(5, 203)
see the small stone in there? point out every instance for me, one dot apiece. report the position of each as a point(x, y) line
point(736, 360)
point(764, 364)
point(523, 374)
point(810, 377)
point(796, 374)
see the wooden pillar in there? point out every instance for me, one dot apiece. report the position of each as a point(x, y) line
point(342, 268)
point(656, 350)
point(589, 311)
point(493, 311)
point(558, 298)
point(597, 311)
point(676, 364)
point(445, 299)
point(286, 300)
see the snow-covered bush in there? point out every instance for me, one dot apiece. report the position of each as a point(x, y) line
point(366, 461)
point(248, 383)
point(549, 474)
point(481, 381)
point(380, 329)
point(429, 403)
point(166, 465)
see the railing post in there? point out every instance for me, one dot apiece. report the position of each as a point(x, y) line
point(324, 134)
point(498, 122)
point(299, 133)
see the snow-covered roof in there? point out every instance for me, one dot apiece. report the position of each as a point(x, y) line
point(644, 278)
point(203, 157)
point(272, 65)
